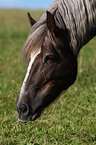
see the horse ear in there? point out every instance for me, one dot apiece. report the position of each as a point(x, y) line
point(31, 20)
point(51, 22)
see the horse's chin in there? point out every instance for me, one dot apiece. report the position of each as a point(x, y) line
point(35, 116)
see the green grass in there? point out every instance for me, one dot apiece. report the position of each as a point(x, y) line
point(70, 120)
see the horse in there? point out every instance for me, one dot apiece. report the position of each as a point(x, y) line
point(51, 50)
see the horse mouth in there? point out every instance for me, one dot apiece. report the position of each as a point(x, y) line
point(23, 121)
point(30, 118)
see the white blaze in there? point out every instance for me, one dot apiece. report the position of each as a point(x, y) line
point(33, 56)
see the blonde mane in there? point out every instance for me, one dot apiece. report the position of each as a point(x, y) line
point(35, 39)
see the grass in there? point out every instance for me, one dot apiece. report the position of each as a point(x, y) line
point(70, 120)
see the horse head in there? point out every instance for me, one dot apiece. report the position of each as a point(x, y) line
point(54, 69)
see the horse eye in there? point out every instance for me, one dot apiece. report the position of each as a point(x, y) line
point(49, 59)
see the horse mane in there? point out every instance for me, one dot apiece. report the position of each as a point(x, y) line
point(35, 39)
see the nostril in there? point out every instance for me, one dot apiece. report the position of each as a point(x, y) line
point(24, 109)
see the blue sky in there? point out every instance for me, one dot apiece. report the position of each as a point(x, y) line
point(27, 4)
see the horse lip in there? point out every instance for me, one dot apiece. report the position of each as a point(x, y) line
point(23, 121)
point(31, 118)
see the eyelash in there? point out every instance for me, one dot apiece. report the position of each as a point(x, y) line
point(49, 59)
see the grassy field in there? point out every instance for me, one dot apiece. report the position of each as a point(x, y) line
point(70, 120)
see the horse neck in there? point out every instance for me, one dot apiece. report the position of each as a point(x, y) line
point(86, 24)
point(79, 16)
